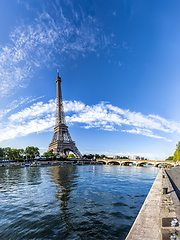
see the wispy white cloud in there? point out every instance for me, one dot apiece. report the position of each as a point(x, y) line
point(150, 121)
point(126, 46)
point(74, 106)
point(37, 44)
point(36, 110)
point(24, 128)
point(16, 103)
point(145, 132)
point(40, 117)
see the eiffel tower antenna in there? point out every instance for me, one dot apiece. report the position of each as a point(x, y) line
point(61, 143)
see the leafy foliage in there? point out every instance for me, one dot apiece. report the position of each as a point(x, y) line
point(170, 158)
point(48, 154)
point(176, 156)
point(32, 152)
point(15, 153)
point(96, 156)
point(1, 152)
point(89, 156)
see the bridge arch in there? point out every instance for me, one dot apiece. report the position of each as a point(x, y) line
point(114, 162)
point(140, 164)
point(164, 163)
point(127, 163)
point(101, 162)
point(158, 163)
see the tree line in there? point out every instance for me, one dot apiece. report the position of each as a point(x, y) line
point(176, 156)
point(19, 153)
point(85, 156)
point(31, 152)
point(49, 154)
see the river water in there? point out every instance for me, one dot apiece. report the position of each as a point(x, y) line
point(72, 202)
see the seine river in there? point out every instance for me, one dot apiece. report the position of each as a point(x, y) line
point(72, 202)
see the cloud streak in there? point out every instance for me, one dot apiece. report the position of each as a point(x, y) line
point(40, 117)
point(17, 103)
point(35, 45)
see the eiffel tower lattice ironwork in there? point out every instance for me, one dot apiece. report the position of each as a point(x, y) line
point(61, 142)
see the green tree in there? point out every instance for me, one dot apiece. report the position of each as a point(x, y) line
point(178, 146)
point(97, 156)
point(1, 152)
point(102, 156)
point(176, 156)
point(71, 155)
point(17, 153)
point(21, 152)
point(48, 154)
point(32, 152)
point(8, 153)
point(89, 156)
point(124, 157)
point(170, 158)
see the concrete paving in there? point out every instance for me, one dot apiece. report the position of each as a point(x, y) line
point(170, 206)
point(174, 176)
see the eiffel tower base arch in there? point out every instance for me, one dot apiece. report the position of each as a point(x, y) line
point(64, 148)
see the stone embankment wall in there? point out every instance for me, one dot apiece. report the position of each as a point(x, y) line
point(160, 214)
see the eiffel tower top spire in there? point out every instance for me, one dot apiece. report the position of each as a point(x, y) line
point(60, 119)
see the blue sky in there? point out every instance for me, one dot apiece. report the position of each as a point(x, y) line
point(119, 63)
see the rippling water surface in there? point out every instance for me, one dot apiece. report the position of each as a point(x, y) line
point(71, 202)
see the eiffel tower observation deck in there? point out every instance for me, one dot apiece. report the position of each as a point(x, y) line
point(61, 143)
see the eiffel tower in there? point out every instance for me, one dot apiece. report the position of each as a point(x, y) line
point(61, 143)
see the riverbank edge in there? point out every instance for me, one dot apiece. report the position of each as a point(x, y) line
point(147, 223)
point(157, 207)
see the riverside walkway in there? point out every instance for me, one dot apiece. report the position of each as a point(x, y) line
point(159, 216)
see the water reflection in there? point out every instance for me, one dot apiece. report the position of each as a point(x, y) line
point(33, 175)
point(65, 179)
point(10, 178)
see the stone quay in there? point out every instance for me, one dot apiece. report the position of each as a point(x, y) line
point(159, 217)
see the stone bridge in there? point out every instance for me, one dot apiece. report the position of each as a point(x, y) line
point(137, 163)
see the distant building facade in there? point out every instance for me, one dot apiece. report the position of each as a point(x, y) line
point(135, 157)
point(116, 157)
